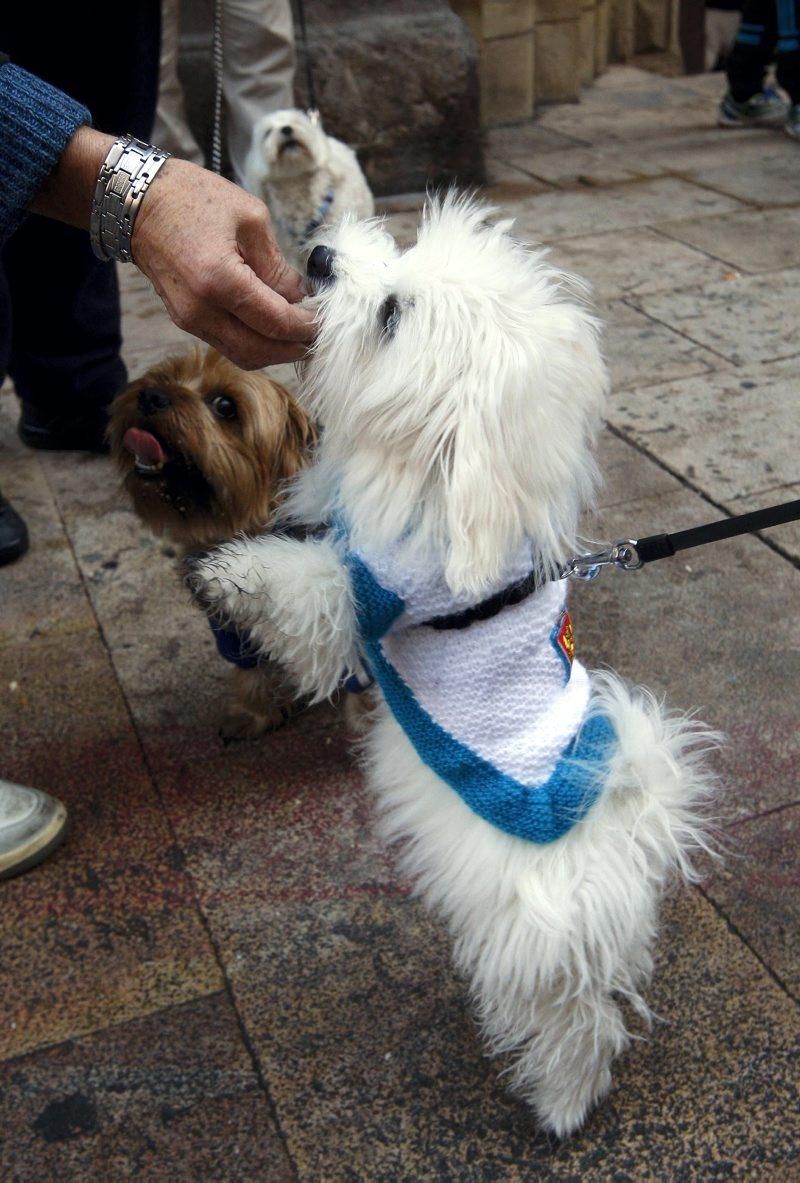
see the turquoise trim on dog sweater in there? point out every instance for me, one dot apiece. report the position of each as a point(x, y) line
point(538, 812)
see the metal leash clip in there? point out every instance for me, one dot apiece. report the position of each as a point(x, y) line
point(622, 554)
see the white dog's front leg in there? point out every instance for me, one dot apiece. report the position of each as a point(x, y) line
point(294, 599)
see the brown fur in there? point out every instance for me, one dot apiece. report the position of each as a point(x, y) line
point(222, 477)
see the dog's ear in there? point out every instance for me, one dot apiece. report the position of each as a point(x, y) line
point(300, 435)
point(484, 522)
point(519, 462)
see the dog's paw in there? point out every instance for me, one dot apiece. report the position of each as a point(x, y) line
point(224, 581)
point(240, 723)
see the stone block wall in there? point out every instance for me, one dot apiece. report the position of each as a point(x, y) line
point(538, 51)
point(410, 83)
point(397, 80)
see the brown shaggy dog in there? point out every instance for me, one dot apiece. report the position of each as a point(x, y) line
point(203, 448)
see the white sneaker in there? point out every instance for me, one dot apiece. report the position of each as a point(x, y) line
point(766, 109)
point(32, 825)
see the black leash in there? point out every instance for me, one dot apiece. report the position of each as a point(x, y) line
point(627, 555)
point(217, 57)
point(631, 554)
point(312, 93)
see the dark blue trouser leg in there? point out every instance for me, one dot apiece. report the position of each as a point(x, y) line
point(788, 48)
point(769, 29)
point(753, 49)
point(59, 306)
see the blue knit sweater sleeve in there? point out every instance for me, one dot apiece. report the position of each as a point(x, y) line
point(377, 607)
point(36, 123)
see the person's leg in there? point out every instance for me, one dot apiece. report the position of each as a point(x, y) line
point(788, 72)
point(788, 48)
point(65, 346)
point(721, 28)
point(753, 49)
point(258, 68)
point(171, 130)
point(66, 340)
point(13, 533)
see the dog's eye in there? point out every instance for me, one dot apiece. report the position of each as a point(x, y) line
point(224, 407)
point(389, 316)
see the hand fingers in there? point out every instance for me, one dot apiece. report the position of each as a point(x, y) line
point(261, 252)
point(242, 345)
point(238, 290)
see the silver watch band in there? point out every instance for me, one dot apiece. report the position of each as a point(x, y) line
point(124, 178)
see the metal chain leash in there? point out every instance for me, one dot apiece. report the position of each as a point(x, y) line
point(218, 60)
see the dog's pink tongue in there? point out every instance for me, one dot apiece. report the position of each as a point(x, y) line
point(144, 446)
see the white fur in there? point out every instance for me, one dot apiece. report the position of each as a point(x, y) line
point(293, 183)
point(293, 598)
point(455, 431)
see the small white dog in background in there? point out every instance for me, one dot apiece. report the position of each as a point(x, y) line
point(540, 809)
point(305, 177)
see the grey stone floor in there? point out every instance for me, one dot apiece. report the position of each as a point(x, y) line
point(221, 975)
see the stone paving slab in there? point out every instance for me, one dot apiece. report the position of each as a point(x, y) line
point(766, 177)
point(377, 1071)
point(551, 216)
point(642, 352)
point(630, 115)
point(44, 596)
point(749, 319)
point(625, 477)
point(499, 170)
point(587, 167)
point(695, 152)
point(638, 262)
point(108, 928)
point(757, 890)
point(172, 1096)
point(526, 140)
point(731, 434)
point(752, 241)
point(709, 631)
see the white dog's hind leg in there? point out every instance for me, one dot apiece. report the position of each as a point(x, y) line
point(294, 599)
point(565, 1067)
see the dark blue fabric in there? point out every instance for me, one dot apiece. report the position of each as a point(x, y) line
point(59, 305)
point(234, 647)
point(768, 29)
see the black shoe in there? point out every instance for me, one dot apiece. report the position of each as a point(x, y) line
point(13, 533)
point(64, 433)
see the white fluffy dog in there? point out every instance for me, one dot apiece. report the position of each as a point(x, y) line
point(540, 810)
point(306, 178)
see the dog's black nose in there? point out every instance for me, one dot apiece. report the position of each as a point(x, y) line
point(151, 399)
point(320, 263)
point(287, 131)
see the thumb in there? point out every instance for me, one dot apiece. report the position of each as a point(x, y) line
point(260, 250)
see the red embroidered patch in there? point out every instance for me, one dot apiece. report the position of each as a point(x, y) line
point(564, 639)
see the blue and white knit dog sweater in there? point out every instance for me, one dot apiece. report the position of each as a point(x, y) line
point(498, 709)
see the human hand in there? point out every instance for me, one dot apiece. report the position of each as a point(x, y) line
point(209, 250)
